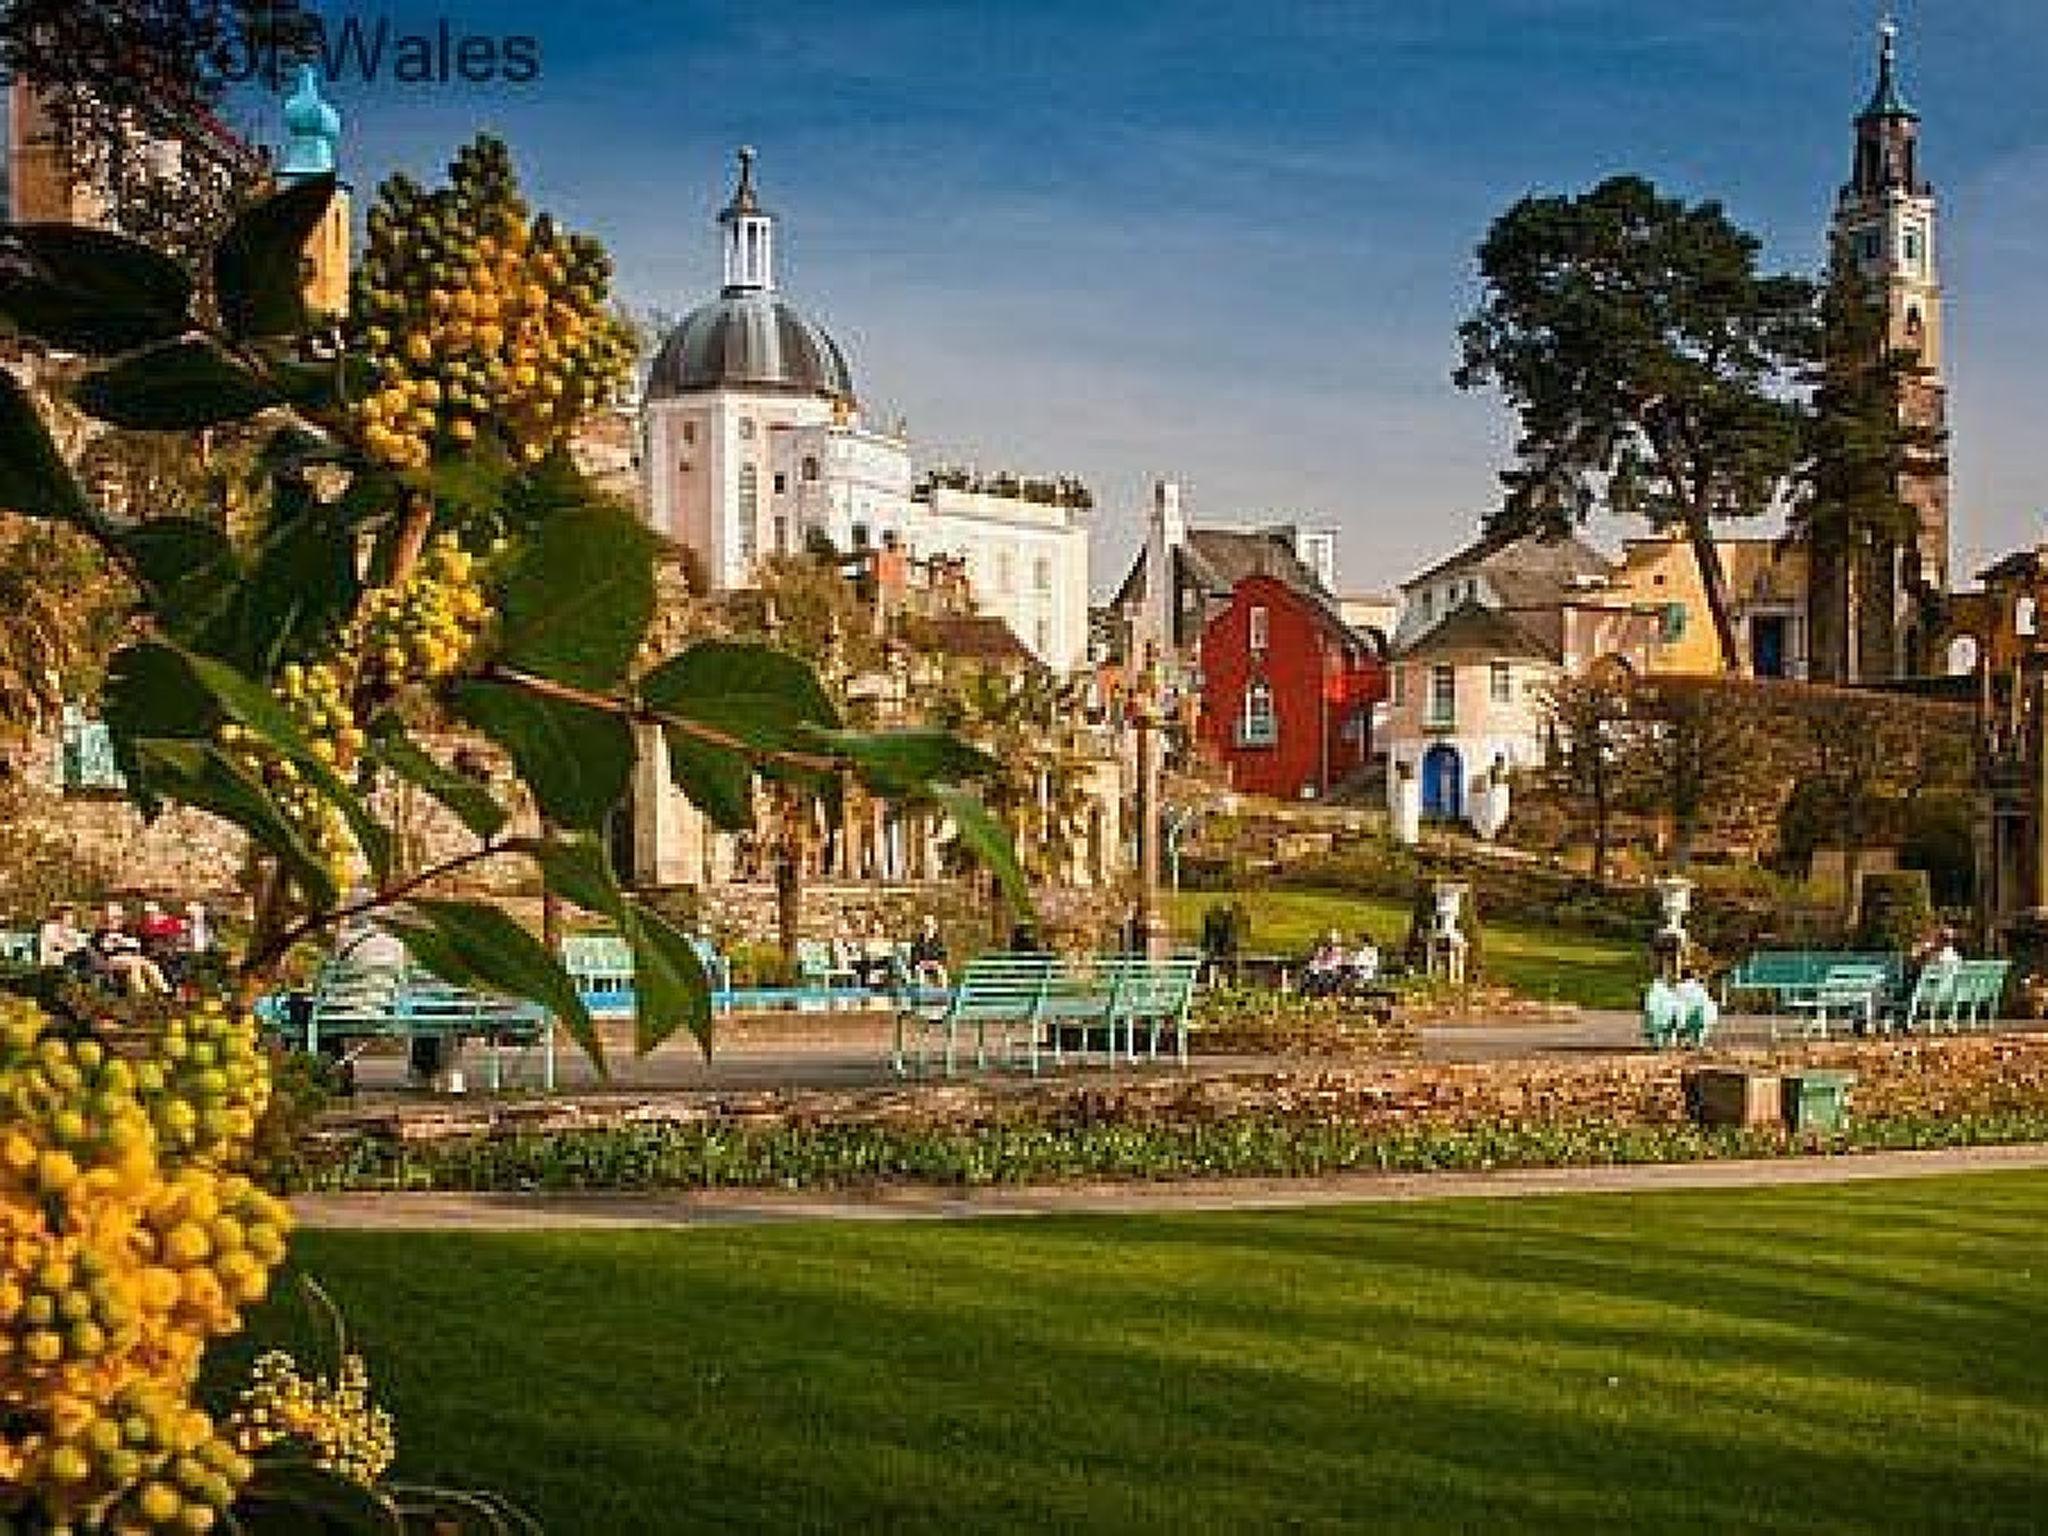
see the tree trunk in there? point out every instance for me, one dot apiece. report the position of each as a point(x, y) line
point(1714, 583)
point(789, 875)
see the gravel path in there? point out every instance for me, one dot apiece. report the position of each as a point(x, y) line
point(523, 1213)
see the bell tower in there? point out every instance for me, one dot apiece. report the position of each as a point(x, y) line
point(1885, 218)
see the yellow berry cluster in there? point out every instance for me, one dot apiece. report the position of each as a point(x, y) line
point(413, 633)
point(127, 1242)
point(335, 1423)
point(478, 321)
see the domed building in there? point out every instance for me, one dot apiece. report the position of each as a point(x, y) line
point(754, 443)
point(753, 432)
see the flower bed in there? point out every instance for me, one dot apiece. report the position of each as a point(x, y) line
point(1274, 1124)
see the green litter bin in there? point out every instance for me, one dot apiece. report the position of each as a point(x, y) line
point(1816, 1101)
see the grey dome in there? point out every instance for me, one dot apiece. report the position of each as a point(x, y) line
point(749, 339)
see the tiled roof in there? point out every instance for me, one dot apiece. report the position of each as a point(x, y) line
point(1474, 632)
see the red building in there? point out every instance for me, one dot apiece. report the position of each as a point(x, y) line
point(1287, 690)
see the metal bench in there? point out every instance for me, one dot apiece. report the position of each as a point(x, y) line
point(1036, 1003)
point(1784, 975)
point(355, 1005)
point(1963, 994)
point(1853, 992)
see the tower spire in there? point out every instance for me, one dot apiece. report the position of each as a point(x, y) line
point(1886, 100)
point(748, 234)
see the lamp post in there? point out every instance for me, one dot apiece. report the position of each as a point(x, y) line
point(1148, 931)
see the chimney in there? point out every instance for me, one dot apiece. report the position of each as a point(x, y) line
point(1171, 527)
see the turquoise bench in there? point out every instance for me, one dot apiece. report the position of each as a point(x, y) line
point(601, 966)
point(353, 1006)
point(1854, 993)
point(18, 948)
point(1962, 995)
point(1782, 976)
point(1034, 1004)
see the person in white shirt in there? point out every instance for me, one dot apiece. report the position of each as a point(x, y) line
point(58, 939)
point(1365, 961)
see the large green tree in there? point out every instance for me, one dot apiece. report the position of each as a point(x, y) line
point(1859, 445)
point(1651, 365)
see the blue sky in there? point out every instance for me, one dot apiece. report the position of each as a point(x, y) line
point(1230, 241)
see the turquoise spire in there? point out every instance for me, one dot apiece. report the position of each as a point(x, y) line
point(314, 129)
point(1885, 100)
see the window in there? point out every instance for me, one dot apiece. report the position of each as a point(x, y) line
point(810, 466)
point(750, 513)
point(1428, 603)
point(689, 433)
point(1912, 247)
point(1258, 626)
point(1258, 726)
point(1871, 246)
point(782, 535)
point(747, 429)
point(1398, 682)
point(781, 483)
point(1499, 682)
point(860, 535)
point(1006, 573)
point(1443, 696)
point(1041, 574)
point(1043, 638)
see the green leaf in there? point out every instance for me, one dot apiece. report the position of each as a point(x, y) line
point(472, 803)
point(34, 479)
point(764, 699)
point(258, 268)
point(252, 705)
point(323, 386)
point(302, 585)
point(196, 774)
point(87, 290)
point(188, 569)
point(474, 944)
point(578, 600)
point(576, 760)
point(908, 762)
point(718, 781)
point(670, 989)
point(291, 1497)
point(179, 386)
point(987, 840)
point(149, 694)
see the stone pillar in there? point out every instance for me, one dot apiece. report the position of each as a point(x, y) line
point(1406, 804)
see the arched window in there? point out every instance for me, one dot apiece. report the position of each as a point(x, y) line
point(810, 466)
point(750, 513)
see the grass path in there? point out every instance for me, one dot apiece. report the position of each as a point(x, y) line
point(1848, 1358)
point(1548, 964)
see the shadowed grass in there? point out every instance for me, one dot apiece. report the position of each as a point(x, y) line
point(1869, 1357)
point(1548, 964)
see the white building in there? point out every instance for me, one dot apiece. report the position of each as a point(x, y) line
point(755, 445)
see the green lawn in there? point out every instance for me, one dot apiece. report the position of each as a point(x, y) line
point(1870, 1357)
point(1550, 964)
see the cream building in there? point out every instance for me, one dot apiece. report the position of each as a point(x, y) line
point(755, 446)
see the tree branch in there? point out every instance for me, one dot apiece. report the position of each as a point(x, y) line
point(262, 959)
point(628, 709)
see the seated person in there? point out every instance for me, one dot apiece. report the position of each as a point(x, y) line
point(928, 954)
point(59, 939)
point(120, 952)
point(1365, 962)
point(1324, 973)
point(162, 935)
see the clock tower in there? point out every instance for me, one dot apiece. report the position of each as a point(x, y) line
point(1885, 217)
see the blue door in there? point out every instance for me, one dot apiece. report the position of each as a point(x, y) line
point(1443, 784)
